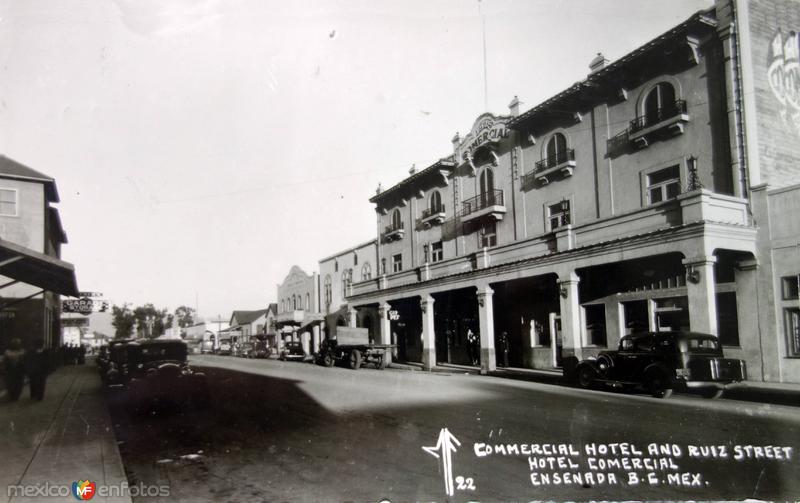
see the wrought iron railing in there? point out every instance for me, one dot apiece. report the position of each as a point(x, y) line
point(481, 201)
point(555, 160)
point(618, 143)
point(394, 227)
point(658, 115)
point(427, 212)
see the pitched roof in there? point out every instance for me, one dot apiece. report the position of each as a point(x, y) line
point(246, 317)
point(9, 168)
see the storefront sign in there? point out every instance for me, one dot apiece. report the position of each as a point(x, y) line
point(394, 315)
point(84, 306)
point(80, 306)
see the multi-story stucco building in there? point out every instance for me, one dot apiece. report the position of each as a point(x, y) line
point(337, 273)
point(33, 275)
point(299, 315)
point(657, 193)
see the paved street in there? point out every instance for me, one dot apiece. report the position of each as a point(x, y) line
point(300, 432)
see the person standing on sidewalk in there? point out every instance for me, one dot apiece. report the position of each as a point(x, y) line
point(37, 363)
point(503, 347)
point(14, 369)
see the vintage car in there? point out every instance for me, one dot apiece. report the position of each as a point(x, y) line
point(225, 347)
point(157, 372)
point(111, 361)
point(293, 350)
point(661, 362)
point(260, 348)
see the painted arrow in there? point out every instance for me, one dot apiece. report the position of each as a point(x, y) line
point(444, 449)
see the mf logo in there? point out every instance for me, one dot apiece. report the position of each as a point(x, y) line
point(784, 76)
point(84, 490)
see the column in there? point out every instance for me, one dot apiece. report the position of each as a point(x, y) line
point(570, 315)
point(352, 317)
point(385, 327)
point(747, 310)
point(701, 293)
point(486, 317)
point(651, 315)
point(428, 333)
point(315, 338)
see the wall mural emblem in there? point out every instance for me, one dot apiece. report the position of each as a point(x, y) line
point(784, 77)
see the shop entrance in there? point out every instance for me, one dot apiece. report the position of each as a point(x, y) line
point(406, 327)
point(455, 313)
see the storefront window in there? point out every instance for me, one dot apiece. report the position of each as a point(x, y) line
point(595, 324)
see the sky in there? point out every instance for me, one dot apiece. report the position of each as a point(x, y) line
point(203, 147)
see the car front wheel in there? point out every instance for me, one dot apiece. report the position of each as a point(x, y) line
point(659, 386)
point(586, 376)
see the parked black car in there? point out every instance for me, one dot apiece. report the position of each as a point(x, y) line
point(293, 350)
point(157, 372)
point(110, 362)
point(661, 362)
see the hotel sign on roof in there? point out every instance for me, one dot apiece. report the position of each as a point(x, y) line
point(487, 129)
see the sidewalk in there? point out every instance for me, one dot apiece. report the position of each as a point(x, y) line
point(749, 391)
point(64, 438)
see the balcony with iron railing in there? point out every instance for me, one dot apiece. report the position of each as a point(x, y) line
point(670, 118)
point(488, 204)
point(561, 163)
point(394, 232)
point(433, 216)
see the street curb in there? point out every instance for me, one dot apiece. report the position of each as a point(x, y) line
point(747, 392)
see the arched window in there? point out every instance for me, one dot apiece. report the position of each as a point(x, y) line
point(556, 150)
point(659, 103)
point(366, 271)
point(294, 302)
point(397, 222)
point(347, 278)
point(308, 301)
point(328, 290)
point(335, 266)
point(355, 258)
point(436, 202)
point(487, 187)
point(283, 306)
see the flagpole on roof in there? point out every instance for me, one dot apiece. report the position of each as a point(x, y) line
point(485, 76)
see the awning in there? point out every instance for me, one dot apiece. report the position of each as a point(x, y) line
point(37, 269)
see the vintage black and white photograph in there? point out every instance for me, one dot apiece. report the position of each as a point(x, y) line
point(353, 251)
